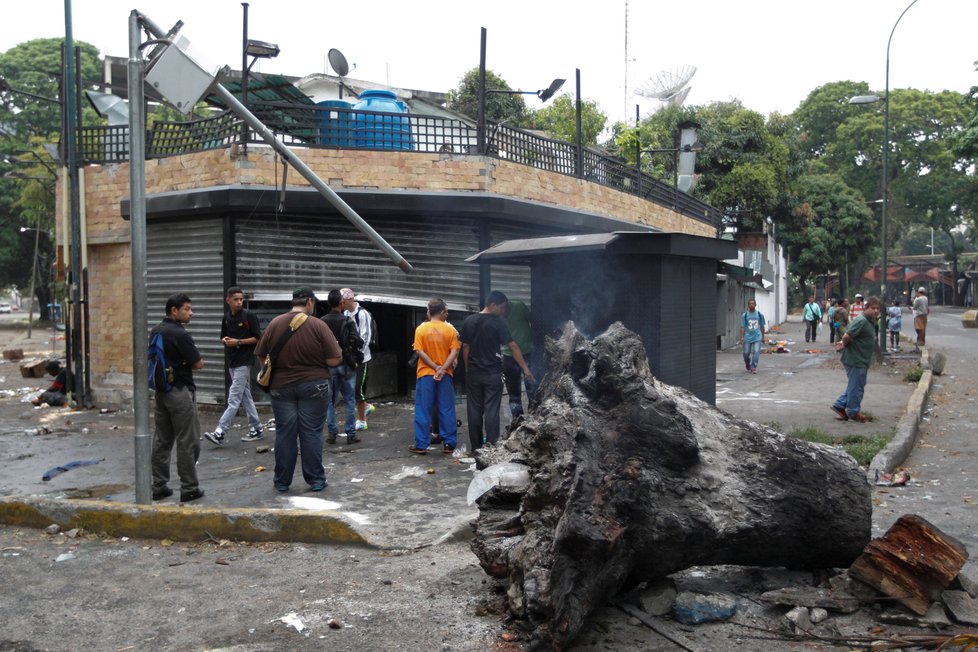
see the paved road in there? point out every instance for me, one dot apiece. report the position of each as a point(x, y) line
point(944, 487)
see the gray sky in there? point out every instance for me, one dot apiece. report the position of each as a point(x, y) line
point(768, 53)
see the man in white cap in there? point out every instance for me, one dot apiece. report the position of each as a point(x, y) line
point(365, 325)
point(920, 310)
point(856, 308)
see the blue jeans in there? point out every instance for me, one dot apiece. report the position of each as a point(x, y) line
point(752, 353)
point(852, 398)
point(483, 394)
point(240, 395)
point(342, 381)
point(428, 393)
point(300, 416)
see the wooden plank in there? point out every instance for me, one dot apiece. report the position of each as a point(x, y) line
point(913, 562)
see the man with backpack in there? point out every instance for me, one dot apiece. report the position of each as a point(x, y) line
point(368, 333)
point(239, 335)
point(175, 412)
point(343, 377)
point(752, 328)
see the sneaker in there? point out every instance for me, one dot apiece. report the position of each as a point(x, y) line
point(859, 417)
point(281, 488)
point(361, 425)
point(186, 497)
point(753, 371)
point(436, 439)
point(331, 439)
point(216, 437)
point(352, 439)
point(319, 486)
point(447, 449)
point(843, 415)
point(418, 451)
point(369, 410)
point(254, 435)
point(160, 494)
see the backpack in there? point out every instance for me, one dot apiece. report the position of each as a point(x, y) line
point(373, 327)
point(160, 372)
point(351, 343)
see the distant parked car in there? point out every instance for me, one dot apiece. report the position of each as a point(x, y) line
point(5, 307)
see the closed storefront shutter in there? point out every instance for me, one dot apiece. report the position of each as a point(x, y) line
point(185, 256)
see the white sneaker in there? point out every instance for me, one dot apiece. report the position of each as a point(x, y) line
point(361, 425)
point(216, 437)
point(254, 435)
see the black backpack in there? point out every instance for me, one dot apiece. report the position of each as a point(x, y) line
point(351, 343)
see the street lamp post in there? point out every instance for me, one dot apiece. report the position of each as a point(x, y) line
point(866, 99)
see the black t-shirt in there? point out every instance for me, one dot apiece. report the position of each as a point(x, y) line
point(180, 351)
point(240, 327)
point(484, 334)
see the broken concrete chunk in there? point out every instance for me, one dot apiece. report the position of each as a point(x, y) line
point(54, 528)
point(962, 607)
point(658, 597)
point(900, 615)
point(913, 562)
point(818, 615)
point(966, 581)
point(695, 608)
point(799, 620)
point(806, 596)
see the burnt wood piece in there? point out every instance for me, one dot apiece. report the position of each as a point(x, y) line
point(632, 479)
point(35, 369)
point(913, 562)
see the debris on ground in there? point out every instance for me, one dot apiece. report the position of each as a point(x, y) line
point(58, 470)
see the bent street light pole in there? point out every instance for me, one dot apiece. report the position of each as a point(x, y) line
point(886, 179)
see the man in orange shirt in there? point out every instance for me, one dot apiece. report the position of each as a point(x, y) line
point(437, 345)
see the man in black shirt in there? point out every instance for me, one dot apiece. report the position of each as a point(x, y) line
point(342, 378)
point(482, 336)
point(175, 414)
point(239, 334)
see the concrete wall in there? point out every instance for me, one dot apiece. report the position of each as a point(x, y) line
point(107, 233)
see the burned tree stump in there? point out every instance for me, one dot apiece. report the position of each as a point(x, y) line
point(632, 479)
point(913, 562)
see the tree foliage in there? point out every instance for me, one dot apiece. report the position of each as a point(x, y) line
point(500, 107)
point(559, 120)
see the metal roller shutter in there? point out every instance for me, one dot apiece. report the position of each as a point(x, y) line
point(276, 254)
point(186, 256)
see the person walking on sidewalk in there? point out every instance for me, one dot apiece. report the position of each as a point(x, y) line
point(482, 336)
point(857, 347)
point(752, 329)
point(343, 377)
point(365, 324)
point(436, 343)
point(812, 317)
point(894, 323)
point(175, 411)
point(299, 388)
point(920, 311)
point(239, 334)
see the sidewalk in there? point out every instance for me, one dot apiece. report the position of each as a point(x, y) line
point(368, 500)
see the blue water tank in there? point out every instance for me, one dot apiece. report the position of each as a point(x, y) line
point(386, 131)
point(336, 128)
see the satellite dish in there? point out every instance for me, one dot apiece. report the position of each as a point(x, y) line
point(338, 62)
point(667, 85)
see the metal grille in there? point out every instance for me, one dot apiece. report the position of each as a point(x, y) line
point(185, 256)
point(275, 255)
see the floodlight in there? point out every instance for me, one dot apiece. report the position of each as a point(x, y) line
point(261, 49)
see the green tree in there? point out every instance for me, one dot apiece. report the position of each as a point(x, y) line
point(832, 223)
point(560, 120)
point(500, 107)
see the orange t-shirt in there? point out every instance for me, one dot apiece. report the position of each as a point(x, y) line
point(437, 339)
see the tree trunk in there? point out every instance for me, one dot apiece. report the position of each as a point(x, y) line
point(632, 479)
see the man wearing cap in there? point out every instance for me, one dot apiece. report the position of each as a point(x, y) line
point(365, 325)
point(856, 308)
point(300, 389)
point(920, 311)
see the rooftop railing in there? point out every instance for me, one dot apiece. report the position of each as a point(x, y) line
point(338, 127)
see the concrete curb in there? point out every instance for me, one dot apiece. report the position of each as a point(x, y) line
point(181, 523)
point(898, 450)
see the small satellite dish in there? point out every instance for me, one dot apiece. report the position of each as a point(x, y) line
point(338, 62)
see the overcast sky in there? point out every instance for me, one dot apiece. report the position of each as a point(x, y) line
point(767, 53)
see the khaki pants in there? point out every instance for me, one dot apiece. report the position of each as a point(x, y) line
point(176, 420)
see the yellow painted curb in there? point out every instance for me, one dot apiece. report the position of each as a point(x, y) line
point(180, 523)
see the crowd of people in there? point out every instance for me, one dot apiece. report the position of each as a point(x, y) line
point(312, 364)
point(854, 329)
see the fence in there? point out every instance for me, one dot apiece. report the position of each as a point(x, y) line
point(340, 127)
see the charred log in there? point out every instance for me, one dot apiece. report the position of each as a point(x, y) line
point(632, 479)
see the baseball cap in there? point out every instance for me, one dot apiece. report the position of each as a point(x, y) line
point(922, 289)
point(347, 293)
point(859, 296)
point(304, 293)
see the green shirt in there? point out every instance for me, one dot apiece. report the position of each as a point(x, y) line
point(859, 352)
point(518, 321)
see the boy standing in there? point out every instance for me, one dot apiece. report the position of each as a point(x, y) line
point(436, 342)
